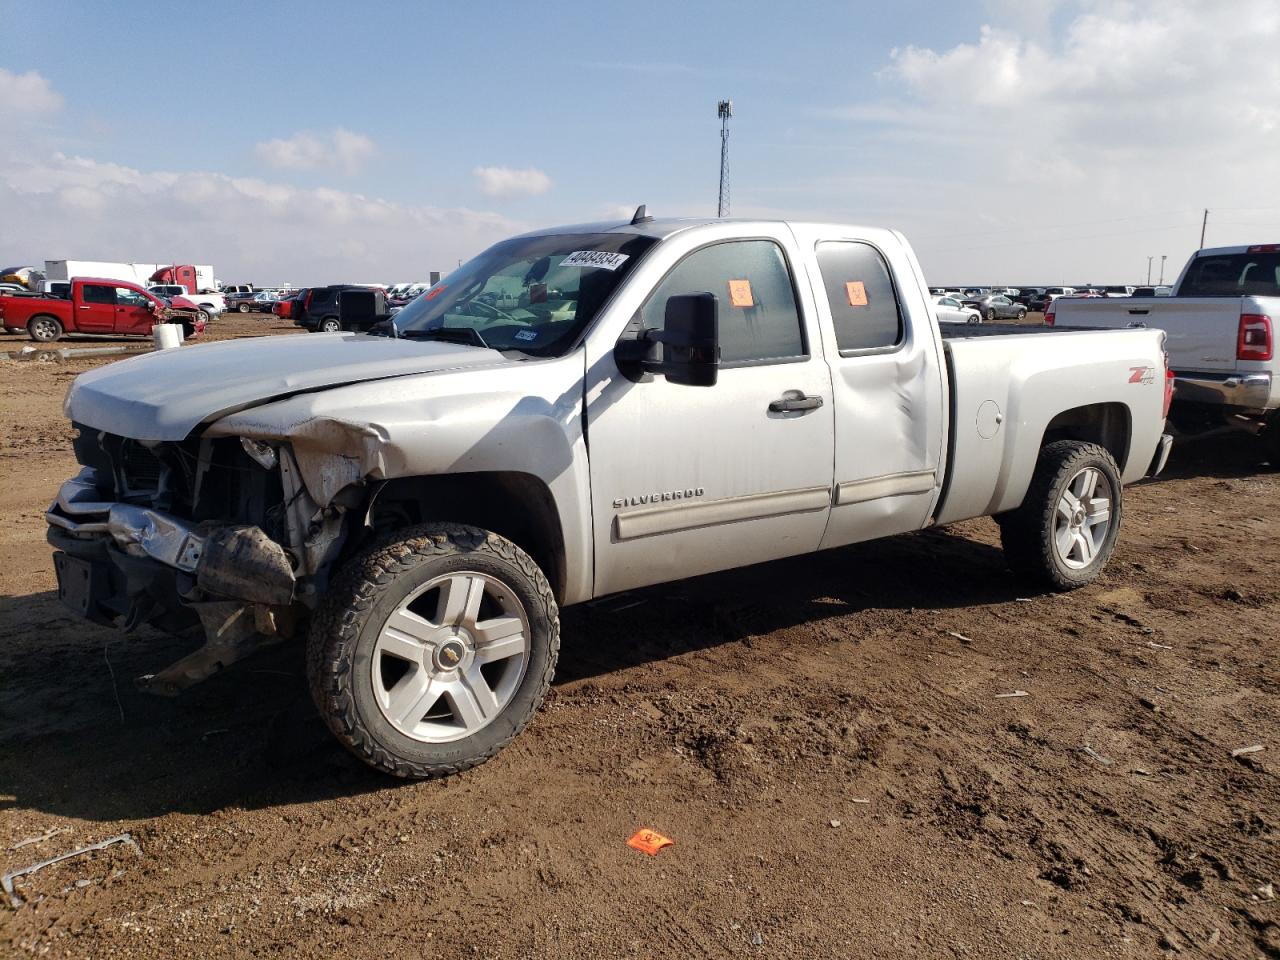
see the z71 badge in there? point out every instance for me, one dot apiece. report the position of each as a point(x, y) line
point(1142, 374)
point(644, 498)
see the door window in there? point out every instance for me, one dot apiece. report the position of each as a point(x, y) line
point(98, 293)
point(759, 320)
point(130, 298)
point(864, 305)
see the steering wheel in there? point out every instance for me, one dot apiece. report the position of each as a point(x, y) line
point(495, 313)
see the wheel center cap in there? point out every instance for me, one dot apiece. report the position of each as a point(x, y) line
point(1078, 519)
point(450, 654)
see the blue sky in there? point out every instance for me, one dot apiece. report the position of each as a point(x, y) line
point(1048, 140)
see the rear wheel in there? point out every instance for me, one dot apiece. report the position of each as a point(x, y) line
point(1065, 531)
point(243, 308)
point(44, 329)
point(991, 315)
point(429, 655)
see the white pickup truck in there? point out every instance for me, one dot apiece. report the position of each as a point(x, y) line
point(1220, 322)
point(210, 304)
point(576, 412)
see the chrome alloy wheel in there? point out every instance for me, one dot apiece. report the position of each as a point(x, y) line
point(1083, 517)
point(450, 657)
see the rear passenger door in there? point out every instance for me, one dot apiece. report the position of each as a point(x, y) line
point(96, 311)
point(885, 363)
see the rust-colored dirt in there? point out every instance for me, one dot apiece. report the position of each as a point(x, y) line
point(822, 738)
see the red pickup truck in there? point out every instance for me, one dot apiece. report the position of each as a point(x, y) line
point(96, 306)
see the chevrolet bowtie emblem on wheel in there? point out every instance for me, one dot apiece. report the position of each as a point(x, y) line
point(687, 494)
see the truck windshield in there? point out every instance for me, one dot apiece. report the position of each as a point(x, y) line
point(1233, 275)
point(533, 294)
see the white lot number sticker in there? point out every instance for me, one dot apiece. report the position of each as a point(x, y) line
point(594, 258)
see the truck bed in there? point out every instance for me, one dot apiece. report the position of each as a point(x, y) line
point(1006, 390)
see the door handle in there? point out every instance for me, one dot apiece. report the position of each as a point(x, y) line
point(83, 307)
point(1136, 312)
point(796, 403)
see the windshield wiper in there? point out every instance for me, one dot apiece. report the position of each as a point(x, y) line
point(468, 336)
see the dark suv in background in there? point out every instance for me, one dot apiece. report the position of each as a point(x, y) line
point(340, 307)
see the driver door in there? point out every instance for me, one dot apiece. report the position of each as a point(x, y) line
point(133, 312)
point(686, 480)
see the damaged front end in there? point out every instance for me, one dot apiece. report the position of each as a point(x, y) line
point(217, 534)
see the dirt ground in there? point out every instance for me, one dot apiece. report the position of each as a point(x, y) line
point(825, 740)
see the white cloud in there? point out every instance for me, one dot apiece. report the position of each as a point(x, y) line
point(27, 93)
point(249, 229)
point(1133, 114)
point(508, 182)
point(339, 150)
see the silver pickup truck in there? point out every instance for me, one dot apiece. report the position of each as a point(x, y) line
point(576, 412)
point(1221, 325)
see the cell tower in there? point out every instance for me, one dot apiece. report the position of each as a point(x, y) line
point(724, 110)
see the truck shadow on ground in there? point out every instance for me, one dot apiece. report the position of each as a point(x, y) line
point(77, 740)
point(1229, 456)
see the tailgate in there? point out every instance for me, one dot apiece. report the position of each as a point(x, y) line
point(1202, 330)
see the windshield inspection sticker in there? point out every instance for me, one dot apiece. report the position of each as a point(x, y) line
point(595, 258)
point(527, 335)
point(740, 293)
point(856, 291)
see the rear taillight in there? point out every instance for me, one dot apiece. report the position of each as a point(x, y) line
point(1255, 340)
point(1049, 314)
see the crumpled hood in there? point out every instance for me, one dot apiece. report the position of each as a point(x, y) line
point(167, 394)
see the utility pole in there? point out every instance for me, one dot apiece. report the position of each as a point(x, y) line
point(1149, 259)
point(1203, 223)
point(724, 110)
point(1163, 258)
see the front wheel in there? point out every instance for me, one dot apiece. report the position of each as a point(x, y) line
point(329, 325)
point(1022, 315)
point(44, 329)
point(1066, 529)
point(428, 656)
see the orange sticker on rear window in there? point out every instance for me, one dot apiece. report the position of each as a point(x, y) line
point(740, 293)
point(650, 842)
point(856, 292)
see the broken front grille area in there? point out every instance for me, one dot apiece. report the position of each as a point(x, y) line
point(195, 479)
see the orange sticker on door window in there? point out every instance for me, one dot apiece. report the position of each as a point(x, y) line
point(740, 293)
point(650, 842)
point(856, 292)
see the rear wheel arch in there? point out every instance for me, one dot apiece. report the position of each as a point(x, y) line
point(515, 505)
point(1109, 425)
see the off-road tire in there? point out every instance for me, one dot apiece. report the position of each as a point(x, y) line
point(346, 625)
point(1026, 534)
point(44, 329)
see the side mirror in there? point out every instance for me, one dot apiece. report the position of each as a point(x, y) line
point(690, 338)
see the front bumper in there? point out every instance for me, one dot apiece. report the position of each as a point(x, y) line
point(1245, 391)
point(208, 561)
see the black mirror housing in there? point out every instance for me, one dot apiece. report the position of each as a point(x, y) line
point(690, 338)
